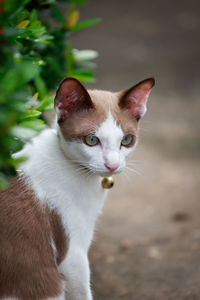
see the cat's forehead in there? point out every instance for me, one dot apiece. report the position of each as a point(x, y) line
point(104, 99)
point(89, 121)
point(107, 103)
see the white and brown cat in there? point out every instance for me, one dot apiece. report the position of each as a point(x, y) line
point(48, 213)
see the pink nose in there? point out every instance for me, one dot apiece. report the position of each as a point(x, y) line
point(111, 168)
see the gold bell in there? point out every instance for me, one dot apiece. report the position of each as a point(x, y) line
point(107, 182)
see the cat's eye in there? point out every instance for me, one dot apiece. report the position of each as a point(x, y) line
point(128, 140)
point(91, 140)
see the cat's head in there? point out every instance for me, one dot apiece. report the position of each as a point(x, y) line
point(98, 129)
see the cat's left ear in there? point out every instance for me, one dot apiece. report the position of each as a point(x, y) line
point(135, 98)
point(70, 98)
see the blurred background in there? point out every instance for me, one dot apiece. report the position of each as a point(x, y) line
point(147, 244)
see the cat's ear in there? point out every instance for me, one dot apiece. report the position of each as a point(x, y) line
point(135, 98)
point(71, 97)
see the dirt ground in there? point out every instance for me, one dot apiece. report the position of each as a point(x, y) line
point(147, 243)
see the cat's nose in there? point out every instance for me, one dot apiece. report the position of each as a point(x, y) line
point(111, 168)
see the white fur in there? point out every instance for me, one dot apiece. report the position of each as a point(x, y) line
point(53, 172)
point(61, 297)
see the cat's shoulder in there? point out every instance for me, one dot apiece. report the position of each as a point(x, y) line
point(31, 238)
point(26, 220)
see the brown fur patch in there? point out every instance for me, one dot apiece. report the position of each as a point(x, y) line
point(27, 265)
point(59, 236)
point(81, 123)
point(86, 122)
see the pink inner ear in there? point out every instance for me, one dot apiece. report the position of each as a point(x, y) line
point(136, 97)
point(71, 96)
point(137, 100)
point(68, 97)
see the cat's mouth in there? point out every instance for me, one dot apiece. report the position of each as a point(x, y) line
point(109, 173)
point(106, 173)
point(100, 172)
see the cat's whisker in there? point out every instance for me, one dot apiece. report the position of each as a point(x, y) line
point(132, 164)
point(90, 173)
point(126, 175)
point(85, 169)
point(134, 160)
point(77, 170)
point(134, 171)
point(77, 160)
point(81, 170)
point(144, 129)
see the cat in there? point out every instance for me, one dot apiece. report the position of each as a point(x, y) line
point(48, 213)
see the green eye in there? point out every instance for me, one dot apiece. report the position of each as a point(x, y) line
point(127, 140)
point(91, 140)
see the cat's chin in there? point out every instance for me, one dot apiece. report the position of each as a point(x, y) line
point(108, 174)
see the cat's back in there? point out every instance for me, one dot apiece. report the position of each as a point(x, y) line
point(29, 233)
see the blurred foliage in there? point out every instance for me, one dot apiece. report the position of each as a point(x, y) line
point(35, 55)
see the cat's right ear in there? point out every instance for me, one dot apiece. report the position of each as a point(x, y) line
point(71, 97)
point(135, 99)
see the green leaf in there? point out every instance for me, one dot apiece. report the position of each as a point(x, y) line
point(36, 28)
point(36, 24)
point(16, 161)
point(72, 18)
point(45, 2)
point(33, 16)
point(31, 113)
point(35, 124)
point(82, 2)
point(23, 24)
point(23, 133)
point(87, 64)
point(69, 59)
point(83, 75)
point(81, 55)
point(35, 60)
point(85, 24)
point(3, 182)
point(55, 12)
point(18, 76)
point(46, 103)
point(44, 38)
point(22, 15)
point(41, 87)
point(20, 160)
point(14, 5)
point(54, 63)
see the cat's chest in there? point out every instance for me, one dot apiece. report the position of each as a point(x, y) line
point(79, 202)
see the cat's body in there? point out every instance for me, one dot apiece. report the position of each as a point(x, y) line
point(48, 214)
point(75, 198)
